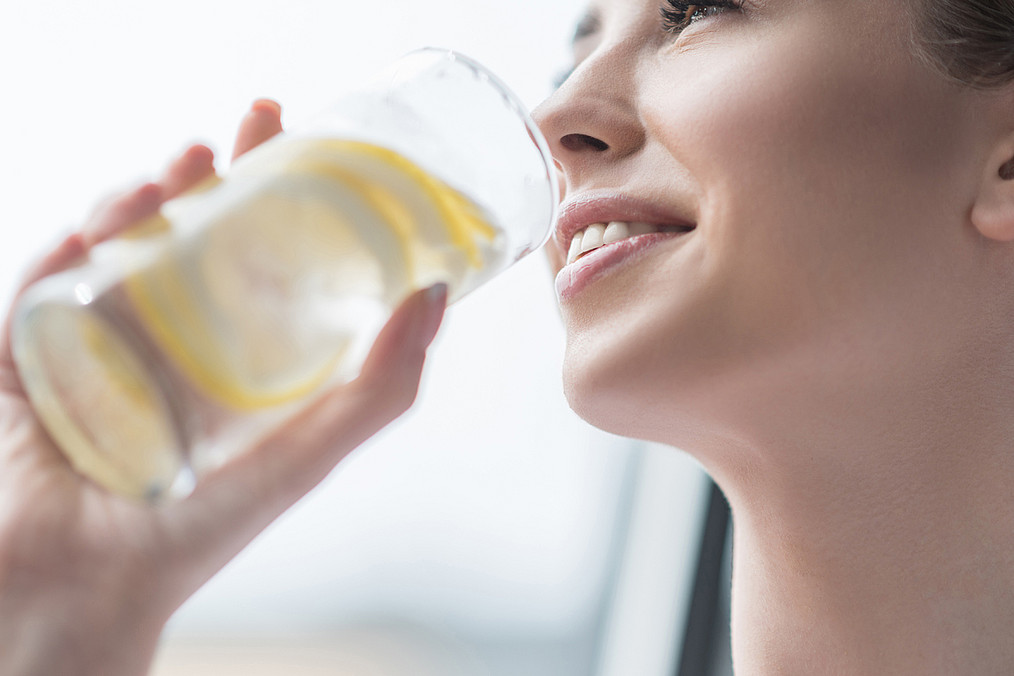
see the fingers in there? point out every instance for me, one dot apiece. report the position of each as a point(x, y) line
point(252, 490)
point(118, 214)
point(195, 165)
point(421, 315)
point(112, 218)
point(262, 122)
point(70, 251)
point(129, 209)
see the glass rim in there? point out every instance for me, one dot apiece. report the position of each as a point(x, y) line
point(520, 109)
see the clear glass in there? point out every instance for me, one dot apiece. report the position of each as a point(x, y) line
point(181, 342)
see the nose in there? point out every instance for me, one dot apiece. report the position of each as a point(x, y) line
point(592, 120)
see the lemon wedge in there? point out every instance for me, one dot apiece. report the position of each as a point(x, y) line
point(273, 282)
point(407, 194)
point(239, 307)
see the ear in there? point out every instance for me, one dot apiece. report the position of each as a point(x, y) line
point(993, 212)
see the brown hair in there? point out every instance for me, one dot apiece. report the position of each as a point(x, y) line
point(971, 41)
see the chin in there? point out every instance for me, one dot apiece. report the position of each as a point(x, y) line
point(631, 397)
point(640, 385)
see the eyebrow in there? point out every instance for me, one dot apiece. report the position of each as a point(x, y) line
point(588, 25)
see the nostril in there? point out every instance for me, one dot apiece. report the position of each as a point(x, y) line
point(1007, 171)
point(579, 142)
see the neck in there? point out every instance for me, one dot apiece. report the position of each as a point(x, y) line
point(904, 586)
point(884, 544)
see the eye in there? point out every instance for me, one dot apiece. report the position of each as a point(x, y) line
point(677, 15)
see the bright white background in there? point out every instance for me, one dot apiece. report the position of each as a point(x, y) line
point(488, 511)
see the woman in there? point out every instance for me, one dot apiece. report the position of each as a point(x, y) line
point(821, 314)
point(833, 340)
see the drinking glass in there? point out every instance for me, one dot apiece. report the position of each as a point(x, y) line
point(181, 342)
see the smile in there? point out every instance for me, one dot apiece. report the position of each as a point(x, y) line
point(598, 235)
point(601, 261)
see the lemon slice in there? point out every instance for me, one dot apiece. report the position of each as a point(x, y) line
point(245, 307)
point(99, 401)
point(414, 202)
point(276, 281)
point(287, 286)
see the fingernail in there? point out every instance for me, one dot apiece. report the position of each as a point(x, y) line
point(436, 302)
point(437, 294)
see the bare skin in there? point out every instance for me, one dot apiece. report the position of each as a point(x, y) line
point(88, 579)
point(833, 341)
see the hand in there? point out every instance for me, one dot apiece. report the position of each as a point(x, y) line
point(87, 578)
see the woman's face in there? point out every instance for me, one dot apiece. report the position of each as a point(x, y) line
point(828, 174)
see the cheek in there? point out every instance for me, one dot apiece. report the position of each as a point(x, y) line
point(828, 200)
point(652, 342)
point(821, 162)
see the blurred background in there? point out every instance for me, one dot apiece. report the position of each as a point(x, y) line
point(489, 531)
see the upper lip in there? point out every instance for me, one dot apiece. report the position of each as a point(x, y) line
point(583, 210)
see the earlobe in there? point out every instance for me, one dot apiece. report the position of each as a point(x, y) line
point(993, 212)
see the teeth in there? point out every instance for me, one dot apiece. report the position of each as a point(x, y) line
point(575, 248)
point(599, 234)
point(616, 231)
point(593, 237)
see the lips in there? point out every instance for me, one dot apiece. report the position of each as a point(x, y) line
point(638, 226)
point(603, 234)
point(588, 214)
point(575, 277)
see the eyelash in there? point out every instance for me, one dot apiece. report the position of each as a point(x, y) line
point(678, 14)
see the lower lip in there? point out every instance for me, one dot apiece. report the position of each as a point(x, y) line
point(585, 270)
